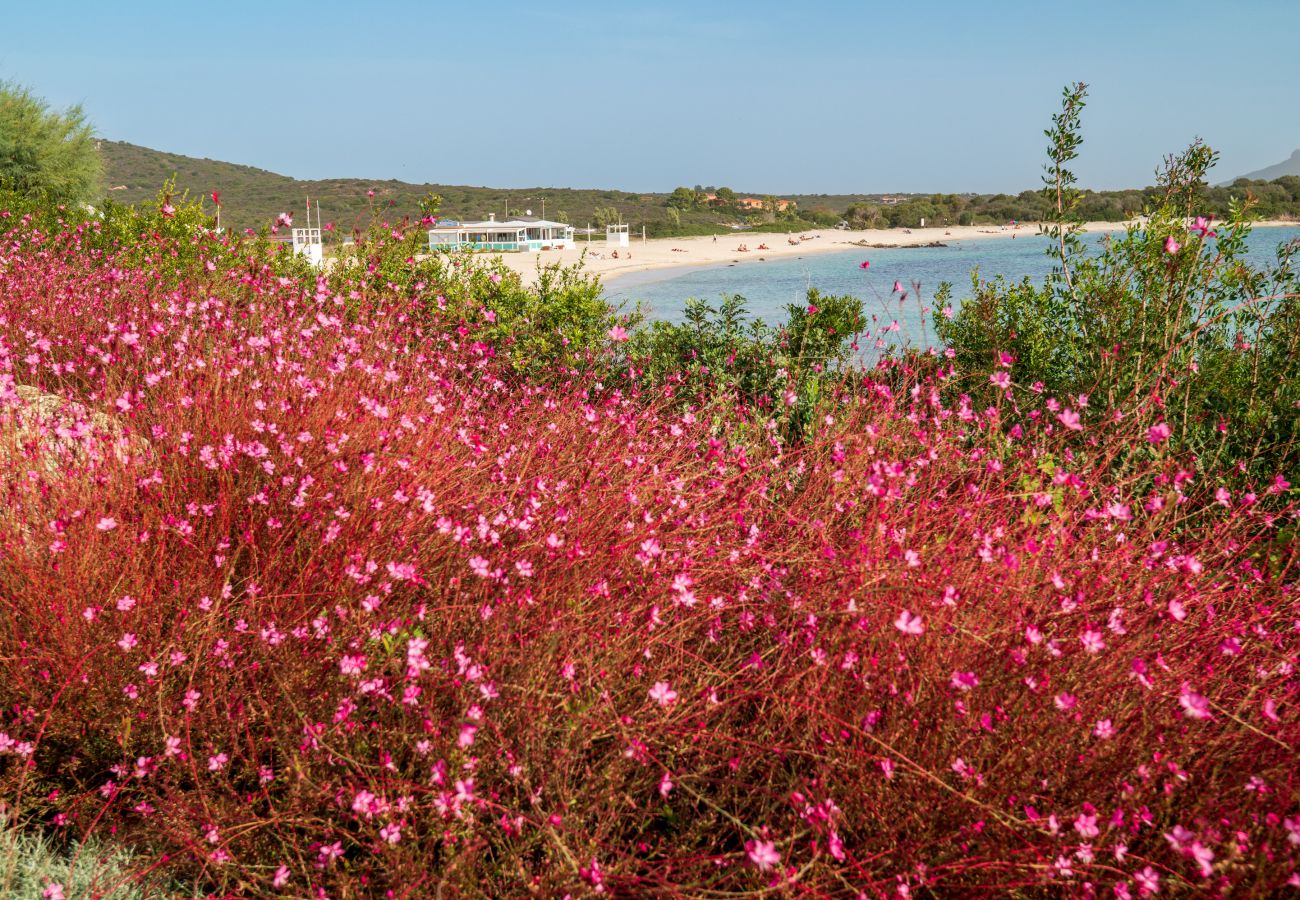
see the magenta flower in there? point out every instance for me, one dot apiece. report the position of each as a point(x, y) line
point(864, 265)
point(663, 694)
point(618, 334)
point(1195, 706)
point(1159, 433)
point(908, 623)
point(1172, 246)
point(763, 854)
point(1070, 419)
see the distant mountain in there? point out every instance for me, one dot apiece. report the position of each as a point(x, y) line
point(1289, 167)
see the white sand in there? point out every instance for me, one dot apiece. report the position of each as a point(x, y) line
point(662, 253)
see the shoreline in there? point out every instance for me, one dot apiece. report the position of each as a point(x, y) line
point(688, 253)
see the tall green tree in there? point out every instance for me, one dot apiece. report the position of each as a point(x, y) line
point(46, 156)
point(683, 198)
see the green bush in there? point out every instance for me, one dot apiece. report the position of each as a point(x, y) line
point(781, 374)
point(30, 863)
point(46, 156)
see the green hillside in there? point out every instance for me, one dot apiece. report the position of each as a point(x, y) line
point(253, 197)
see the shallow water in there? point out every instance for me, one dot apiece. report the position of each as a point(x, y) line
point(769, 286)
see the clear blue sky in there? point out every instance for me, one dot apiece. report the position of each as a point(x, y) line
point(798, 96)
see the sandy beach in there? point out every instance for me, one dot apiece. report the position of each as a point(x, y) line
point(663, 253)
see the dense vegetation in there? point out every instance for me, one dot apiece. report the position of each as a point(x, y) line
point(45, 154)
point(1279, 199)
point(406, 578)
point(253, 197)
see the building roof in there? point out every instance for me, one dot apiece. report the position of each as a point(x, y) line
point(512, 224)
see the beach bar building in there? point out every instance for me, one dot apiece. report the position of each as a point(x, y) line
point(519, 233)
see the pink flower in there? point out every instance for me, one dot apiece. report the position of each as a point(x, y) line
point(1086, 825)
point(1000, 380)
point(53, 891)
point(285, 219)
point(108, 523)
point(1172, 246)
point(763, 853)
point(1158, 433)
point(281, 877)
point(908, 623)
point(1203, 856)
point(352, 665)
point(1195, 706)
point(1202, 227)
point(964, 681)
point(618, 335)
point(1070, 419)
point(495, 278)
point(663, 694)
point(864, 265)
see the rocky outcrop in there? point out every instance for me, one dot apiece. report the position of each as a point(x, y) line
point(48, 434)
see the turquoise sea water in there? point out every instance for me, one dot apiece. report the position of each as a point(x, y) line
point(769, 286)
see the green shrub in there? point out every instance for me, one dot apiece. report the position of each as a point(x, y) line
point(30, 863)
point(46, 156)
point(782, 374)
point(1169, 313)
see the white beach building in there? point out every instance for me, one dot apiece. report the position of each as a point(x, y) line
point(307, 242)
point(616, 235)
point(515, 234)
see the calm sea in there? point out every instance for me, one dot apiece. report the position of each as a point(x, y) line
point(769, 286)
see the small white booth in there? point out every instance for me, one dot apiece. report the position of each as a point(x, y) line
point(307, 242)
point(616, 236)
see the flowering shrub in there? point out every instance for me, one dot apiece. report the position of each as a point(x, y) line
point(313, 593)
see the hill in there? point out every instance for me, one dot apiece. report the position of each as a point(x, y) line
point(252, 197)
point(1287, 167)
